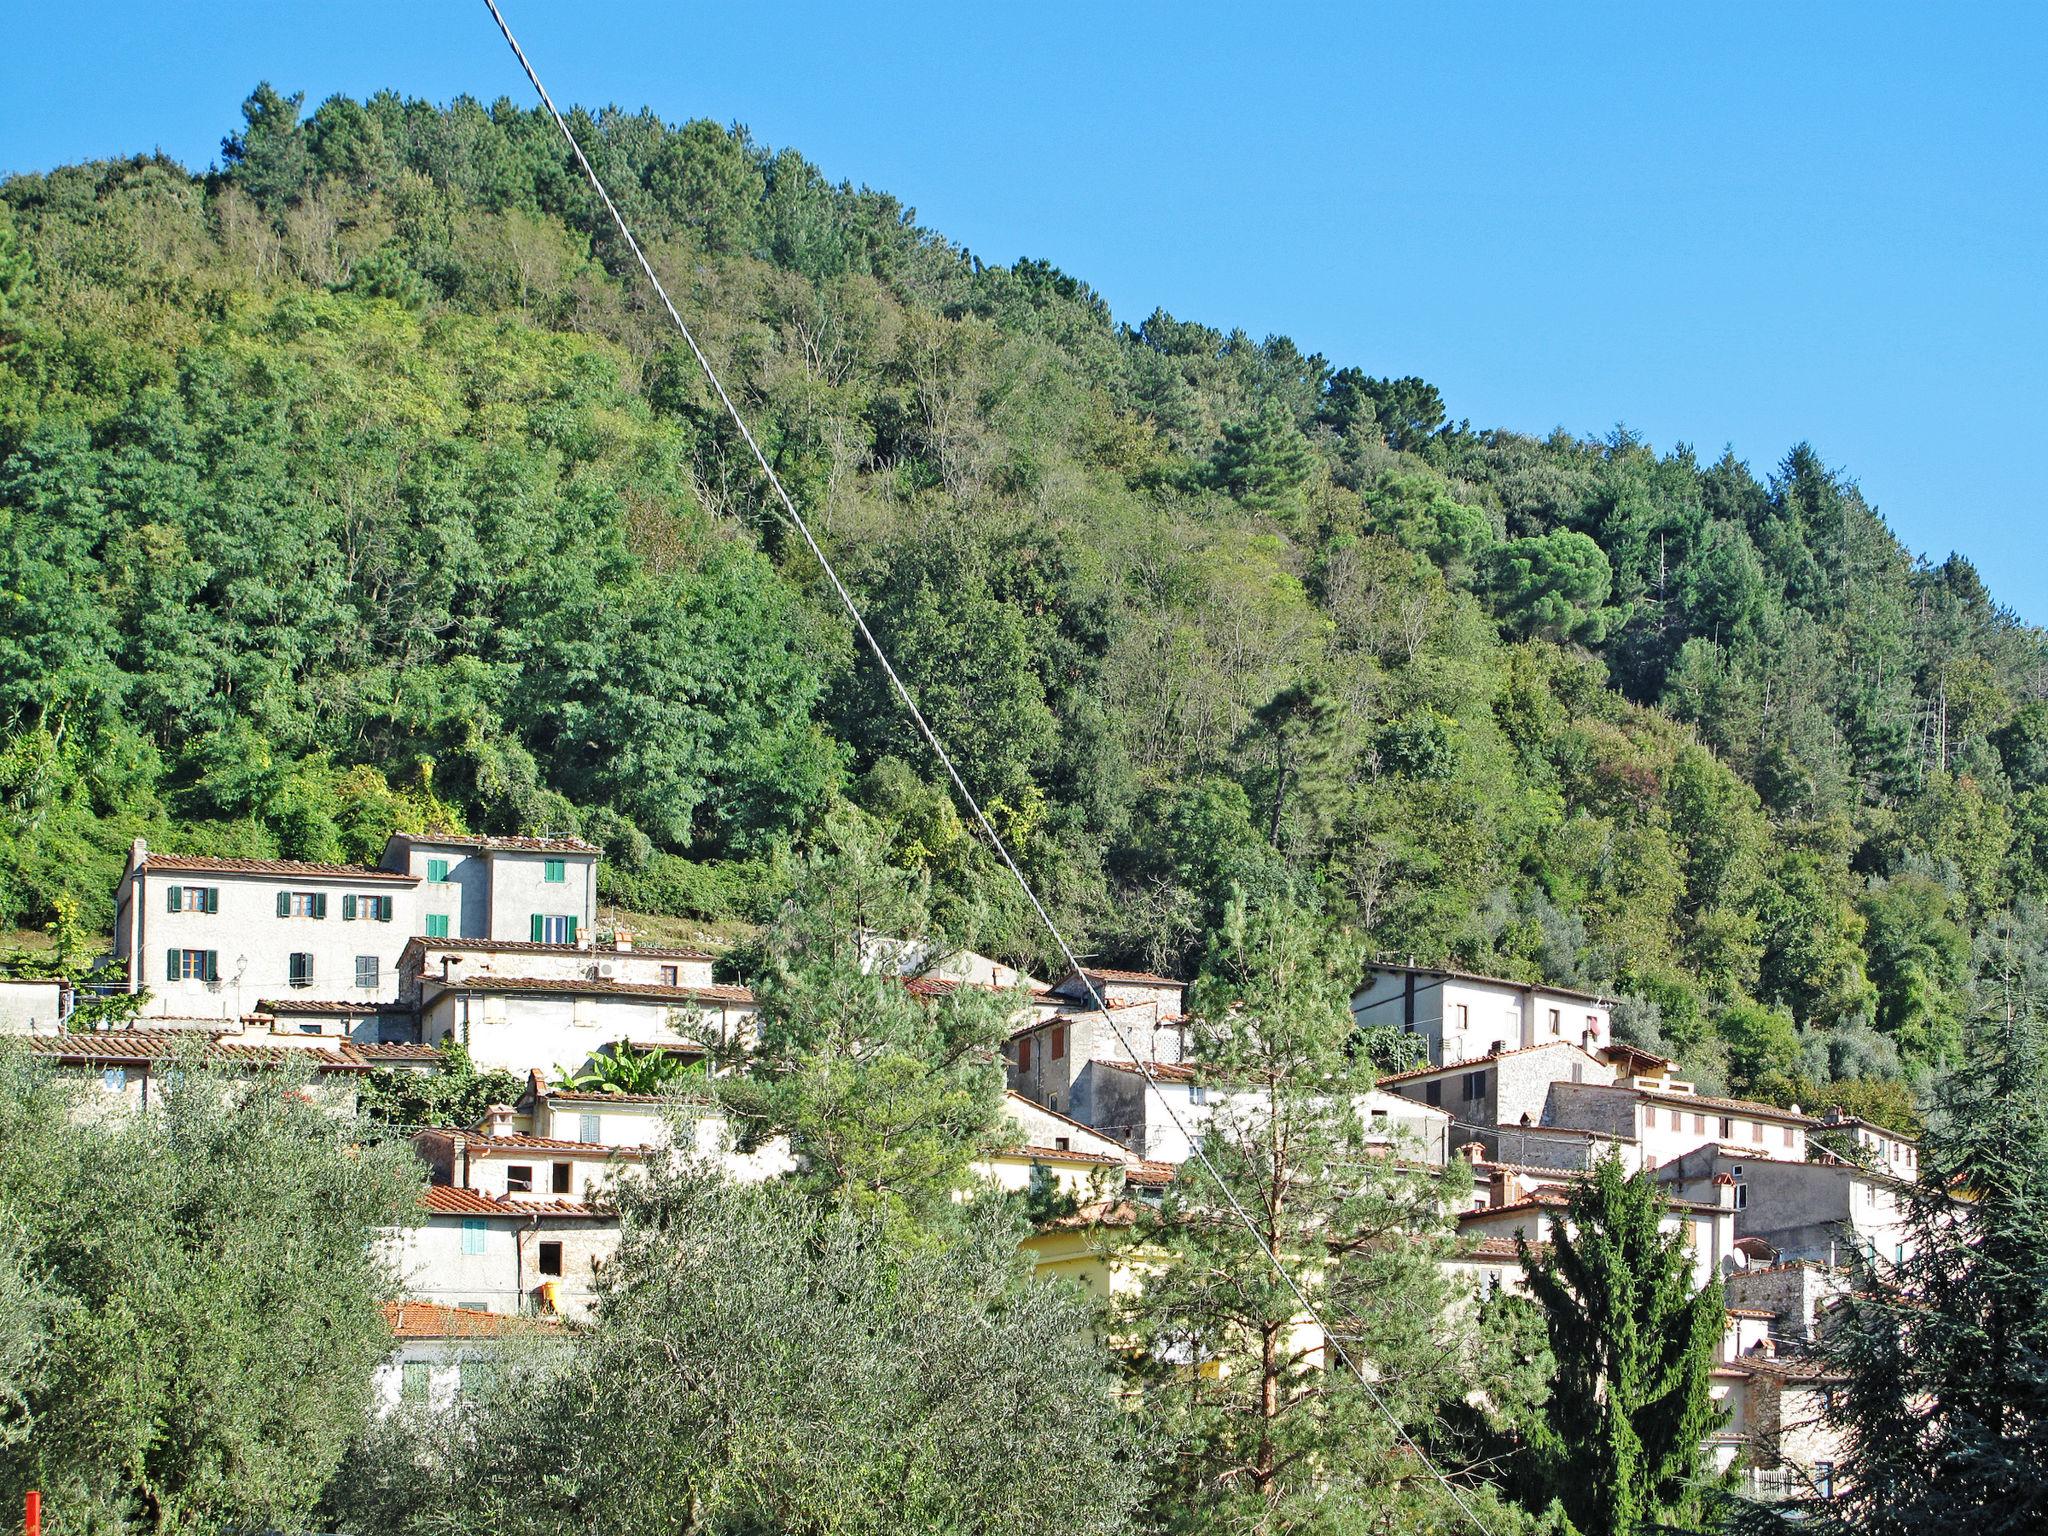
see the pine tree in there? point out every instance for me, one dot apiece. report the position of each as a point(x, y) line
point(1274, 1433)
point(1945, 1352)
point(1619, 1443)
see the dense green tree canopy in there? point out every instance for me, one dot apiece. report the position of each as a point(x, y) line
point(354, 486)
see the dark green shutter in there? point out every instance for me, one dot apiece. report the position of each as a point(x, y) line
point(284, 903)
point(171, 969)
point(536, 928)
point(213, 965)
point(212, 898)
point(172, 901)
point(384, 908)
point(348, 909)
point(572, 930)
point(319, 903)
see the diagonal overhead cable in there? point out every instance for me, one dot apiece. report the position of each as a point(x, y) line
point(945, 759)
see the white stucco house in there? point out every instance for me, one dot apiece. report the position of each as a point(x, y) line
point(1461, 1016)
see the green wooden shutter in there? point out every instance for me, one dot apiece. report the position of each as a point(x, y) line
point(572, 930)
point(212, 898)
point(348, 909)
point(173, 898)
point(213, 965)
point(284, 903)
point(171, 969)
point(536, 927)
point(319, 903)
point(385, 907)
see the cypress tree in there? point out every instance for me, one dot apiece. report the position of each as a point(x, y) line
point(1618, 1445)
point(1944, 1408)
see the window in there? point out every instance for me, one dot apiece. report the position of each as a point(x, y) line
point(1556, 1021)
point(437, 871)
point(1024, 1054)
point(1649, 1117)
point(437, 925)
point(1433, 1092)
point(1824, 1478)
point(1699, 1125)
point(301, 904)
point(546, 929)
point(554, 871)
point(1052, 1102)
point(1756, 1131)
point(473, 1376)
point(1059, 1042)
point(1788, 1135)
point(1742, 1197)
point(1727, 1128)
point(558, 1178)
point(551, 1258)
point(412, 1381)
point(1475, 1085)
point(192, 965)
point(1461, 1014)
point(114, 1079)
point(1578, 1071)
point(370, 909)
point(192, 898)
point(1063, 1143)
point(1592, 1023)
point(519, 1178)
point(301, 969)
point(670, 976)
point(1197, 1094)
point(586, 1128)
point(368, 972)
point(474, 1230)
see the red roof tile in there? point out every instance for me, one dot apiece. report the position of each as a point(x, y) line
point(652, 991)
point(1062, 1154)
point(192, 863)
point(508, 844)
point(1149, 1173)
point(1159, 1071)
point(478, 1143)
point(429, 1320)
point(1474, 1063)
point(447, 1200)
point(1128, 978)
point(139, 1047)
point(528, 946)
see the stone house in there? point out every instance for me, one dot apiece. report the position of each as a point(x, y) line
point(211, 938)
point(496, 1253)
point(1874, 1146)
point(1461, 1016)
point(1817, 1210)
point(440, 1353)
point(129, 1068)
point(1510, 1089)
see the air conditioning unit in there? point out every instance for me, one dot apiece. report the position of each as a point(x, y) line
point(605, 971)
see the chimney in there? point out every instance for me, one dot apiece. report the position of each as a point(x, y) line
point(536, 1086)
point(498, 1121)
point(138, 854)
point(622, 940)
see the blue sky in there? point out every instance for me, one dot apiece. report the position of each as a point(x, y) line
point(1726, 224)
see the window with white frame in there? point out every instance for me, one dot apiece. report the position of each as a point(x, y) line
point(192, 898)
point(192, 965)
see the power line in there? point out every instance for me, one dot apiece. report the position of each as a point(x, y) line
point(803, 528)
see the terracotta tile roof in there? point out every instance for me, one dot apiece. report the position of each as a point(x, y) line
point(946, 986)
point(1149, 1173)
point(1495, 1248)
point(1490, 981)
point(1125, 978)
point(141, 1047)
point(1103, 1213)
point(1062, 1155)
point(396, 1051)
point(566, 986)
point(192, 863)
point(529, 947)
point(1474, 1063)
point(322, 1006)
point(597, 1096)
point(447, 1200)
point(508, 844)
point(1762, 1312)
point(478, 1143)
point(429, 1320)
point(1161, 1071)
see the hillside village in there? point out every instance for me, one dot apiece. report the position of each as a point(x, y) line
point(496, 944)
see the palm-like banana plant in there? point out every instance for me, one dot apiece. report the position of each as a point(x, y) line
point(622, 1067)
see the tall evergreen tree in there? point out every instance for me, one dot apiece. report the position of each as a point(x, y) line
point(1619, 1444)
point(1275, 1433)
point(1945, 1352)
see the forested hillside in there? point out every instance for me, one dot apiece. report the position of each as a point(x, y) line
point(356, 487)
